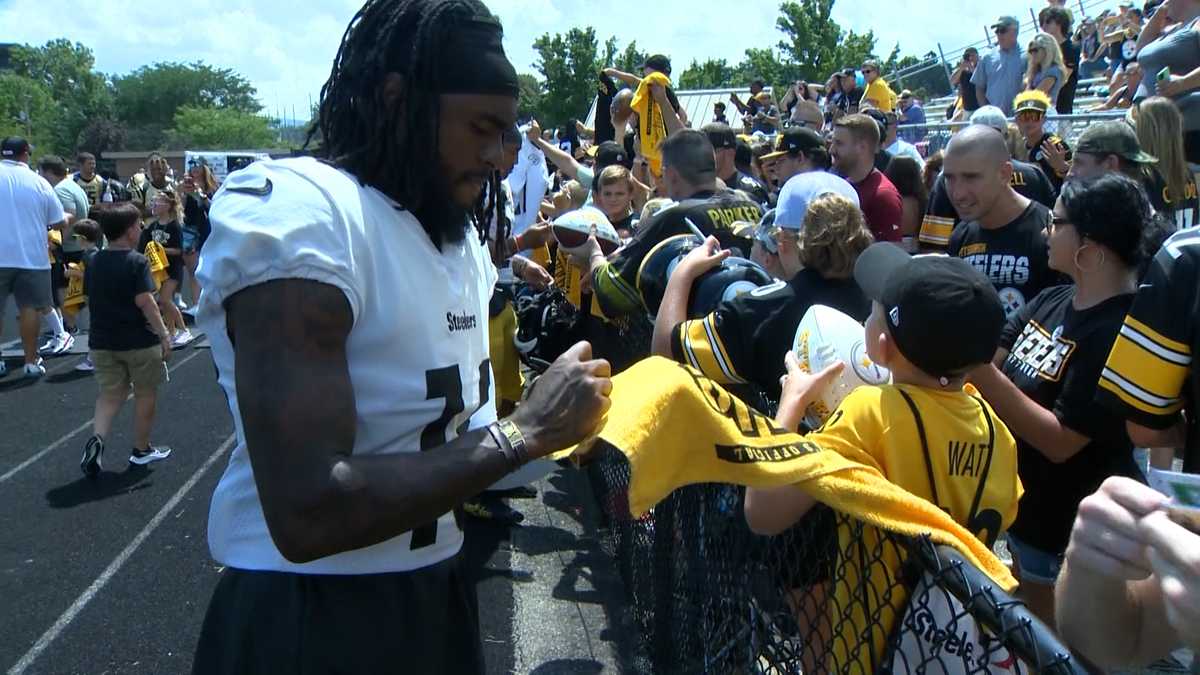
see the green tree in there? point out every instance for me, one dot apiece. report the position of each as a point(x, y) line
point(530, 101)
point(569, 64)
point(815, 44)
point(27, 109)
point(102, 135)
point(712, 74)
point(64, 69)
point(148, 98)
point(220, 129)
point(630, 60)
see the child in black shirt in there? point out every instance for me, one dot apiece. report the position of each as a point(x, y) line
point(166, 229)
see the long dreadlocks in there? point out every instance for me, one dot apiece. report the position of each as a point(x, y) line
point(492, 207)
point(362, 132)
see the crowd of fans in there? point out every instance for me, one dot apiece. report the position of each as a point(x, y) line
point(1078, 265)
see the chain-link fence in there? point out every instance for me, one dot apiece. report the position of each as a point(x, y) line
point(934, 136)
point(831, 594)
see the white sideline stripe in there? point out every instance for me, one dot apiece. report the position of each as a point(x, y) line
point(56, 444)
point(115, 566)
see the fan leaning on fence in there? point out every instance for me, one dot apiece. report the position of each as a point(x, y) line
point(883, 456)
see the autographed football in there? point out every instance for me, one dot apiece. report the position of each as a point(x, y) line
point(572, 230)
point(823, 337)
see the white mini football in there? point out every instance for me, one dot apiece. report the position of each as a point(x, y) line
point(824, 336)
point(572, 230)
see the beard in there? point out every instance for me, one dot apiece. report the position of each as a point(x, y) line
point(442, 218)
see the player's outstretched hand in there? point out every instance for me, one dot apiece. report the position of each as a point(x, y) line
point(566, 403)
point(1106, 538)
point(702, 259)
point(800, 389)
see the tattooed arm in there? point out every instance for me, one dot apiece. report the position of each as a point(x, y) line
point(298, 411)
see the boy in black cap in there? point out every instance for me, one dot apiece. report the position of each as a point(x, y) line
point(933, 319)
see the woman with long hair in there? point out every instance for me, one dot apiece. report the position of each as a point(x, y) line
point(198, 187)
point(165, 228)
point(1159, 126)
point(905, 173)
point(1042, 381)
point(1046, 69)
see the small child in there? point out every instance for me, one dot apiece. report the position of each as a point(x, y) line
point(933, 319)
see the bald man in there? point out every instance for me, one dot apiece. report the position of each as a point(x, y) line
point(1002, 234)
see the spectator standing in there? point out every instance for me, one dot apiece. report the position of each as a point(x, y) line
point(752, 105)
point(911, 113)
point(1112, 147)
point(999, 75)
point(28, 206)
point(75, 206)
point(1046, 70)
point(724, 143)
point(1160, 132)
point(797, 150)
point(896, 146)
point(719, 113)
point(129, 343)
point(877, 94)
point(1048, 151)
point(852, 89)
point(198, 188)
point(94, 185)
point(855, 143)
point(906, 175)
point(167, 231)
point(1056, 22)
point(1003, 235)
point(614, 196)
point(1043, 381)
point(1171, 40)
point(836, 101)
point(961, 80)
point(1092, 58)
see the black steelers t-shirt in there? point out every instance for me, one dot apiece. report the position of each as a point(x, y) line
point(745, 339)
point(1056, 355)
point(941, 217)
point(1014, 257)
point(713, 213)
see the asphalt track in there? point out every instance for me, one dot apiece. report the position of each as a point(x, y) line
point(113, 575)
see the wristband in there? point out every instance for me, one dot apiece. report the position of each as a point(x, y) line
point(504, 446)
point(516, 440)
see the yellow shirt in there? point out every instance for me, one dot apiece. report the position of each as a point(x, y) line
point(881, 95)
point(568, 277)
point(650, 120)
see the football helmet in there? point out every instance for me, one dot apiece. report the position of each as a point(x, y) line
point(732, 278)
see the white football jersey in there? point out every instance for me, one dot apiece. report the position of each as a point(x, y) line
point(418, 351)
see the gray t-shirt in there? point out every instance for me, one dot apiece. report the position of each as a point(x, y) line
point(1000, 73)
point(1051, 72)
point(75, 202)
point(1179, 51)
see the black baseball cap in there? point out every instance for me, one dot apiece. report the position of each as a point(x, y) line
point(658, 62)
point(942, 313)
point(720, 135)
point(15, 146)
point(795, 140)
point(609, 153)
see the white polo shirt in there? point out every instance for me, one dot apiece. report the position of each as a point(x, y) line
point(28, 207)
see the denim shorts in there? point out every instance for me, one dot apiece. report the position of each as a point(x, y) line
point(1036, 565)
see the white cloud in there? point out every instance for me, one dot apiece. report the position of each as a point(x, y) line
point(286, 47)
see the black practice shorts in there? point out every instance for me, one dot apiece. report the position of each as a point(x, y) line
point(425, 621)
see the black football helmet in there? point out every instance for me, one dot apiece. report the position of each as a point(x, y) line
point(732, 278)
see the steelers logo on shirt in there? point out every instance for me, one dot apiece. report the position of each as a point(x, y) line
point(161, 236)
point(1012, 300)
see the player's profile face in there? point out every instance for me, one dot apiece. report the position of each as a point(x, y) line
point(470, 144)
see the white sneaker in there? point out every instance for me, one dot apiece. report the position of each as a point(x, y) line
point(86, 365)
point(152, 454)
point(35, 370)
point(59, 344)
point(181, 339)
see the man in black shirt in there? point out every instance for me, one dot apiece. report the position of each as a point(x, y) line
point(689, 176)
point(724, 143)
point(1002, 233)
point(1048, 151)
point(130, 344)
point(961, 80)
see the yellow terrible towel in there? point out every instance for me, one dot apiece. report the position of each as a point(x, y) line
point(157, 256)
point(75, 299)
point(679, 428)
point(653, 130)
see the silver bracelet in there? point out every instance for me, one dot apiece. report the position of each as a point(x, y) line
point(504, 446)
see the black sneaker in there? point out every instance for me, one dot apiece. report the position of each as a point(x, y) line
point(493, 510)
point(92, 452)
point(151, 454)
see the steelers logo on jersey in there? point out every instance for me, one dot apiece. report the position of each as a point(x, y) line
point(1012, 300)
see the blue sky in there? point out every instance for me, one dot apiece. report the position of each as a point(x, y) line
point(286, 48)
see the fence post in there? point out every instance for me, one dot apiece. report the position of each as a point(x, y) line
point(987, 36)
point(945, 67)
point(1033, 16)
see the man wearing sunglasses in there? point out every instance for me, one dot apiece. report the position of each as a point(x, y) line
point(878, 94)
point(998, 78)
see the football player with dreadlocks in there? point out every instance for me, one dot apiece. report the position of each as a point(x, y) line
point(348, 303)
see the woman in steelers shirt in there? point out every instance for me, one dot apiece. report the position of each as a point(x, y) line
point(166, 229)
point(1043, 381)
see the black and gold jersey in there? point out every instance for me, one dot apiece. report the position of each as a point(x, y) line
point(745, 339)
point(713, 213)
point(1014, 257)
point(750, 185)
point(1038, 156)
point(1146, 378)
point(941, 218)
